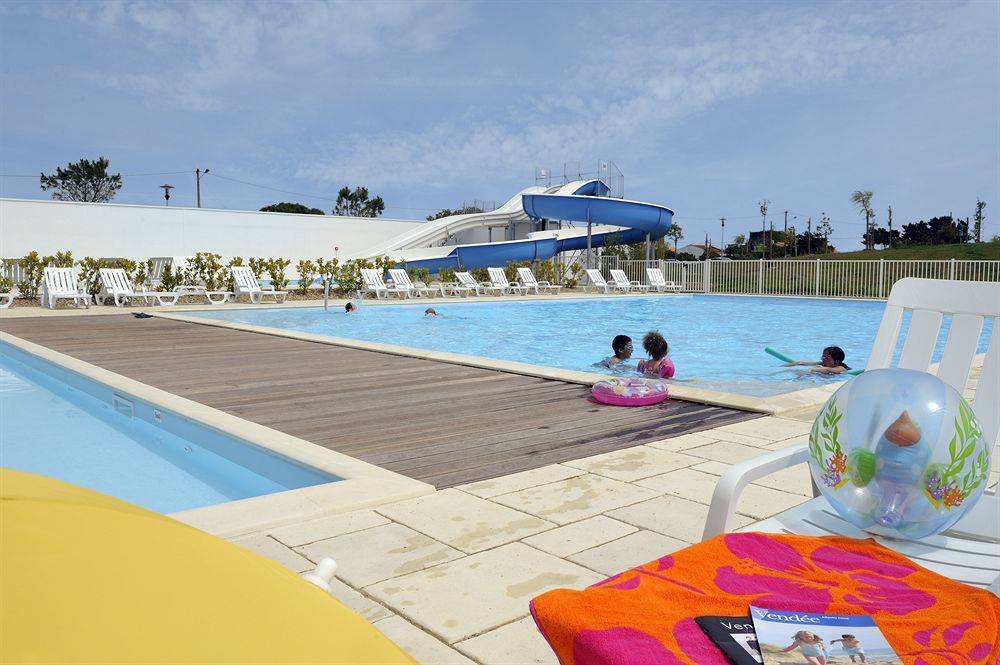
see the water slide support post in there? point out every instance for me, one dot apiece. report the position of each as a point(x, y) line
point(649, 253)
point(588, 236)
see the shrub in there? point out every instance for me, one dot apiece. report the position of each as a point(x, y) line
point(569, 275)
point(276, 271)
point(328, 270)
point(170, 279)
point(349, 275)
point(423, 275)
point(307, 273)
point(259, 266)
point(510, 270)
point(446, 274)
point(142, 272)
point(545, 271)
point(207, 268)
point(60, 260)
point(480, 274)
point(6, 284)
point(89, 274)
point(33, 266)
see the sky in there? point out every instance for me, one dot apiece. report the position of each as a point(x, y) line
point(705, 107)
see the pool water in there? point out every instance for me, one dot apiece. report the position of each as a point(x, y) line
point(716, 342)
point(58, 424)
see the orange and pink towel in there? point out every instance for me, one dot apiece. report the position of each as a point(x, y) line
point(646, 615)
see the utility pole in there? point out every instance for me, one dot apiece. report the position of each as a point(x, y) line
point(197, 180)
point(723, 243)
point(166, 193)
point(795, 242)
point(809, 236)
point(786, 235)
point(770, 243)
point(764, 203)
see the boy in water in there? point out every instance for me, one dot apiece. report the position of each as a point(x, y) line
point(622, 346)
point(349, 308)
point(831, 362)
point(430, 311)
point(852, 647)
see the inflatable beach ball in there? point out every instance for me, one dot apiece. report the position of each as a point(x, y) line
point(899, 449)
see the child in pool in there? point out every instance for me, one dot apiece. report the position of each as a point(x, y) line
point(831, 362)
point(657, 348)
point(430, 311)
point(811, 645)
point(350, 308)
point(622, 346)
point(852, 647)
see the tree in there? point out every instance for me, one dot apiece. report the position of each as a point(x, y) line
point(676, 233)
point(83, 181)
point(824, 229)
point(938, 231)
point(978, 228)
point(446, 212)
point(864, 202)
point(357, 203)
point(738, 248)
point(297, 208)
point(885, 237)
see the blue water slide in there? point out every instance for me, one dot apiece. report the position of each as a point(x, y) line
point(587, 203)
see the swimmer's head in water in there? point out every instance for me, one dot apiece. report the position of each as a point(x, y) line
point(349, 307)
point(833, 356)
point(430, 312)
point(622, 346)
point(655, 345)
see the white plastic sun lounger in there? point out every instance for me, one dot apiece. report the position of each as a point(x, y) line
point(625, 284)
point(401, 279)
point(115, 284)
point(498, 280)
point(247, 284)
point(467, 280)
point(530, 282)
point(656, 281)
point(58, 284)
point(597, 281)
point(6, 299)
point(373, 283)
point(969, 552)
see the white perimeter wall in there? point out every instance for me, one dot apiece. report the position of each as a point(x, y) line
point(104, 230)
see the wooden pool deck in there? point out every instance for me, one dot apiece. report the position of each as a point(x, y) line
point(440, 423)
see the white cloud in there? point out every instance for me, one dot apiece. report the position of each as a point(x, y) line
point(654, 72)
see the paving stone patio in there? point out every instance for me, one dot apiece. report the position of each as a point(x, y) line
point(449, 576)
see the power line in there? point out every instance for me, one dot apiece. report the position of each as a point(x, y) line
point(124, 175)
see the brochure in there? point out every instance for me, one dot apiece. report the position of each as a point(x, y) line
point(788, 637)
point(735, 636)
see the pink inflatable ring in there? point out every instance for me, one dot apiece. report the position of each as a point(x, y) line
point(629, 392)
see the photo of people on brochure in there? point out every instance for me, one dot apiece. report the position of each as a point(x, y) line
point(800, 638)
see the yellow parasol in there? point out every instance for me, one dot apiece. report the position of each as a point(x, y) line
point(88, 578)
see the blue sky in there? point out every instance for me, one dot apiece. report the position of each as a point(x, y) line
point(706, 107)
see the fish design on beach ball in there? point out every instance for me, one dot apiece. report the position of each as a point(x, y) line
point(899, 450)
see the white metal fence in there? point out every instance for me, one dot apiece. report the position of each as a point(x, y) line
point(844, 279)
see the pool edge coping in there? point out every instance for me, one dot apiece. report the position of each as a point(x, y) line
point(774, 405)
point(362, 485)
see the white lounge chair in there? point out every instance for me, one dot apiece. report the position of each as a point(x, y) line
point(247, 284)
point(597, 281)
point(58, 284)
point(467, 280)
point(970, 551)
point(6, 299)
point(529, 280)
point(373, 283)
point(656, 281)
point(625, 284)
point(116, 285)
point(498, 280)
point(401, 279)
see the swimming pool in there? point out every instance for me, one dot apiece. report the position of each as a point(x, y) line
point(717, 341)
point(60, 424)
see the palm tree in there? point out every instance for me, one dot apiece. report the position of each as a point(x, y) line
point(864, 202)
point(675, 232)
